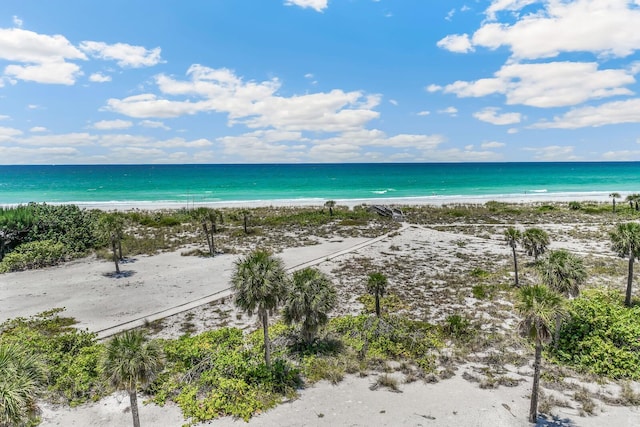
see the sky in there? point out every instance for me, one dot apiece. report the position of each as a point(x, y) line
point(314, 81)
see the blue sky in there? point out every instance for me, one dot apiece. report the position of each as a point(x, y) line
point(300, 81)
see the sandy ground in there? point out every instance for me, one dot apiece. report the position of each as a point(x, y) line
point(166, 284)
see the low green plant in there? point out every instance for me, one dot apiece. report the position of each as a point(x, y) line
point(34, 255)
point(600, 335)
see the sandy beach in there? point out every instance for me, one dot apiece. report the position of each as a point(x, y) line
point(171, 287)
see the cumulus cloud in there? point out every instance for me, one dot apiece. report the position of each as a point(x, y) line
point(38, 129)
point(124, 54)
point(317, 5)
point(99, 78)
point(553, 84)
point(459, 43)
point(7, 133)
point(606, 114)
point(491, 115)
point(559, 26)
point(112, 124)
point(253, 104)
point(423, 113)
point(41, 58)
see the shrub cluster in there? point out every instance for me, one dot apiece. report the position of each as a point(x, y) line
point(34, 255)
point(215, 374)
point(601, 336)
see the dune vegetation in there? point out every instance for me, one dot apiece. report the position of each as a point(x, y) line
point(365, 316)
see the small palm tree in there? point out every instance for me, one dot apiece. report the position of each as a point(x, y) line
point(311, 297)
point(539, 307)
point(111, 229)
point(330, 204)
point(246, 214)
point(625, 241)
point(535, 241)
point(513, 236)
point(209, 219)
point(614, 196)
point(131, 361)
point(377, 286)
point(21, 378)
point(260, 283)
point(563, 273)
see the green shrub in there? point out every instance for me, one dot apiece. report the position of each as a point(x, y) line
point(601, 336)
point(34, 255)
point(459, 327)
point(70, 356)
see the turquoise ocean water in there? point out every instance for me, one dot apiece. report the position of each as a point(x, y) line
point(184, 184)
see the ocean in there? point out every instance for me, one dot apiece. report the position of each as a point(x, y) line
point(309, 183)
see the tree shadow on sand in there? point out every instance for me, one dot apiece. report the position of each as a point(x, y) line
point(121, 275)
point(554, 421)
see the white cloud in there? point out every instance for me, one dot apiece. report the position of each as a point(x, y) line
point(153, 124)
point(600, 26)
point(452, 111)
point(20, 45)
point(4, 117)
point(17, 21)
point(112, 124)
point(58, 72)
point(253, 104)
point(42, 58)
point(606, 114)
point(317, 5)
point(8, 133)
point(393, 102)
point(40, 155)
point(99, 78)
point(458, 43)
point(423, 113)
point(492, 144)
point(433, 88)
point(490, 115)
point(38, 129)
point(553, 153)
point(553, 84)
point(126, 55)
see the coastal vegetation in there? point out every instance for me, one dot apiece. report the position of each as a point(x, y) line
point(324, 325)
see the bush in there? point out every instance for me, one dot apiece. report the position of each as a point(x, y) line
point(70, 356)
point(217, 373)
point(601, 336)
point(34, 255)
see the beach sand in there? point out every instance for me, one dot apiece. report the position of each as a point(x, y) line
point(171, 285)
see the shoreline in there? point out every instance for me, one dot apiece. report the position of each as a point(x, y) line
point(434, 200)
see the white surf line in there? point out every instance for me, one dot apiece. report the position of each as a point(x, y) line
point(226, 293)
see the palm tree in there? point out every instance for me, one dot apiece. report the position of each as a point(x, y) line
point(539, 307)
point(260, 283)
point(633, 198)
point(311, 297)
point(614, 196)
point(21, 378)
point(535, 242)
point(625, 241)
point(131, 361)
point(111, 229)
point(330, 204)
point(376, 286)
point(563, 273)
point(209, 219)
point(513, 236)
point(246, 214)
